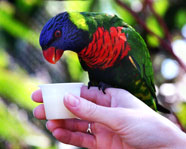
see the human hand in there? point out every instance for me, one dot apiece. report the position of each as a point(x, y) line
point(118, 120)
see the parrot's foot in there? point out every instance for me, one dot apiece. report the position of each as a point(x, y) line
point(102, 86)
point(90, 84)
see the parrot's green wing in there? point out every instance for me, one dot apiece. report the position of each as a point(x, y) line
point(142, 62)
point(138, 55)
point(141, 57)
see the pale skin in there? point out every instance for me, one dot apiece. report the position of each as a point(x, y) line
point(118, 121)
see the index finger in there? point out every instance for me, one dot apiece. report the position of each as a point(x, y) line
point(96, 96)
point(37, 96)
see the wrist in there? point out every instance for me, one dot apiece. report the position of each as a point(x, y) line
point(180, 140)
point(170, 136)
point(176, 138)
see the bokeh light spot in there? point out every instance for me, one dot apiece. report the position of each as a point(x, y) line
point(167, 89)
point(183, 31)
point(169, 68)
point(179, 48)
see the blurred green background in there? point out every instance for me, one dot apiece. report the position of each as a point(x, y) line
point(23, 68)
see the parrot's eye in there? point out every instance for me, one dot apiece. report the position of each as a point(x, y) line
point(57, 33)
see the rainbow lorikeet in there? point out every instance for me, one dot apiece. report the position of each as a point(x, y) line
point(112, 52)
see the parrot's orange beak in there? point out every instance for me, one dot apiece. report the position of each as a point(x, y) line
point(52, 55)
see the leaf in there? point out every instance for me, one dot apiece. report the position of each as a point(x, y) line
point(152, 41)
point(27, 5)
point(180, 19)
point(124, 14)
point(154, 26)
point(181, 113)
point(161, 6)
point(79, 6)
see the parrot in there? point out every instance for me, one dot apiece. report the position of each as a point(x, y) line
point(110, 50)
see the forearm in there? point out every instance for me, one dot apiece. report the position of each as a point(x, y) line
point(180, 140)
point(174, 137)
point(158, 133)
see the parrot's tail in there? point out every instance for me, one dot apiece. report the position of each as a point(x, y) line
point(166, 111)
point(162, 109)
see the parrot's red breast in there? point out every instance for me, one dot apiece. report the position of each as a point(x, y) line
point(106, 48)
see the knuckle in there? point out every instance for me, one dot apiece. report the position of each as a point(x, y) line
point(80, 139)
point(65, 138)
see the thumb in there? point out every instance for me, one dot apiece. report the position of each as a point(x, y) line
point(84, 109)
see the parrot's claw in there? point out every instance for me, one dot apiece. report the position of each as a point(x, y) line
point(103, 86)
point(89, 84)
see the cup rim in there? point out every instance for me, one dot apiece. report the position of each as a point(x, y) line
point(57, 84)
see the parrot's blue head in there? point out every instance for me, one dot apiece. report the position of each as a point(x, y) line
point(65, 31)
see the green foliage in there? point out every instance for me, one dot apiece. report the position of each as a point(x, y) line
point(74, 66)
point(154, 27)
point(6, 7)
point(124, 14)
point(16, 130)
point(181, 114)
point(17, 88)
point(152, 40)
point(11, 129)
point(3, 58)
point(161, 6)
point(78, 6)
point(17, 29)
point(180, 19)
point(27, 6)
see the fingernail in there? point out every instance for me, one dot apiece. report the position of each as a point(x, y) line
point(72, 100)
point(48, 125)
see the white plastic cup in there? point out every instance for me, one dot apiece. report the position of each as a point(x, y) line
point(53, 95)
